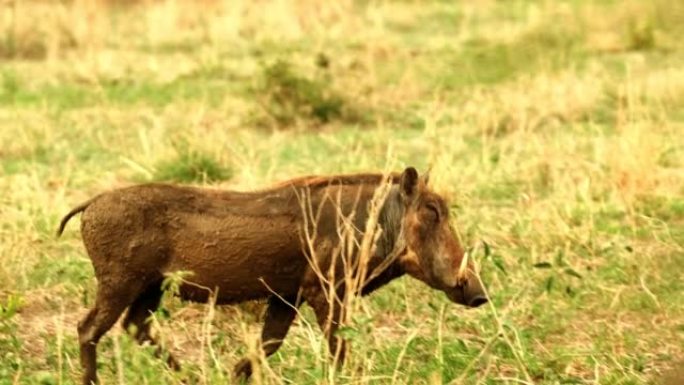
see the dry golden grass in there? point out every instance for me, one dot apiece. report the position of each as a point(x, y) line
point(555, 129)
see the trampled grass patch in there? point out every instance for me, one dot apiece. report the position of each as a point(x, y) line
point(554, 130)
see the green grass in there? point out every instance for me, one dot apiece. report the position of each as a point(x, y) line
point(209, 89)
point(553, 128)
point(191, 166)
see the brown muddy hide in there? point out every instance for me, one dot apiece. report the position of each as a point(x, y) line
point(434, 254)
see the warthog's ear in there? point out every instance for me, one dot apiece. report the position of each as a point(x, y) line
point(409, 182)
point(426, 175)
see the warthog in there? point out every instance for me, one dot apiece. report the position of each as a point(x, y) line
point(266, 244)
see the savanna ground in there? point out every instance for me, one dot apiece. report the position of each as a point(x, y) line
point(554, 128)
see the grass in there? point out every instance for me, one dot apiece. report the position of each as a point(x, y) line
point(554, 128)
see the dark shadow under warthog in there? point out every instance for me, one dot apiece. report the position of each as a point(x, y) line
point(271, 244)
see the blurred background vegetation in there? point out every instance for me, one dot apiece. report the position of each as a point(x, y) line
point(555, 128)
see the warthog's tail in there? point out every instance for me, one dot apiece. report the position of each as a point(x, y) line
point(71, 213)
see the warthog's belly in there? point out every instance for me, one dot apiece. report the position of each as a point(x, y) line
point(238, 257)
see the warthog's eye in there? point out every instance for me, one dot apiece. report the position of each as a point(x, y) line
point(433, 211)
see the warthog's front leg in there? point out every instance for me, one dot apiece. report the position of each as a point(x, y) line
point(279, 316)
point(329, 317)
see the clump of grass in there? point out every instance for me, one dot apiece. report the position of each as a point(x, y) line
point(10, 85)
point(192, 166)
point(9, 341)
point(23, 45)
point(287, 97)
point(9, 307)
point(21, 38)
point(641, 35)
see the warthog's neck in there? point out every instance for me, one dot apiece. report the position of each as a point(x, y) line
point(390, 245)
point(391, 217)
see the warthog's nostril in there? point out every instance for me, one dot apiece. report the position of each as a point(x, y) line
point(477, 301)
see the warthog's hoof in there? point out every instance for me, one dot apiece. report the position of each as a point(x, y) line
point(243, 369)
point(173, 363)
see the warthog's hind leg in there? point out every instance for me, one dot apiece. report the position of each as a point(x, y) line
point(279, 316)
point(109, 305)
point(136, 320)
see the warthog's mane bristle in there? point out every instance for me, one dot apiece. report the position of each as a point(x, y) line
point(315, 181)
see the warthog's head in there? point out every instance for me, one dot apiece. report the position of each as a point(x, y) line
point(434, 254)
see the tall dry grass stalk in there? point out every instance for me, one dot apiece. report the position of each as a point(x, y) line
point(342, 286)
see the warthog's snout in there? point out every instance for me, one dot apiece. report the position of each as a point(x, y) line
point(468, 293)
point(474, 293)
point(477, 301)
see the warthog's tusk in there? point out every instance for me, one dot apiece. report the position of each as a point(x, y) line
point(464, 265)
